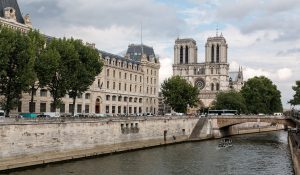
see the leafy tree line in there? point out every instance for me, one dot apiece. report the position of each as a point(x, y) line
point(28, 62)
point(258, 95)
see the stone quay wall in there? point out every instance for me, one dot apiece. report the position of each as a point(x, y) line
point(33, 142)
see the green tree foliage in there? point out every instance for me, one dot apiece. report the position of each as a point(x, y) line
point(231, 100)
point(37, 45)
point(55, 67)
point(179, 94)
point(296, 100)
point(261, 96)
point(85, 71)
point(14, 58)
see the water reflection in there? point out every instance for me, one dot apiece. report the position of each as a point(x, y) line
point(262, 154)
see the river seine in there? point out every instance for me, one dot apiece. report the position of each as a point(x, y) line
point(263, 154)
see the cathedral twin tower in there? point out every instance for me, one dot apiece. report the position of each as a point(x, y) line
point(211, 76)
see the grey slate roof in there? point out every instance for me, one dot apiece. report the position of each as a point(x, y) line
point(135, 51)
point(117, 57)
point(13, 4)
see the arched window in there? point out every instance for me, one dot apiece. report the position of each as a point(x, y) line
point(181, 55)
point(218, 87)
point(212, 53)
point(186, 55)
point(218, 53)
point(212, 87)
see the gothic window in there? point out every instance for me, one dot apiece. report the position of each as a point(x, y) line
point(186, 55)
point(181, 55)
point(218, 53)
point(212, 53)
point(212, 87)
point(218, 87)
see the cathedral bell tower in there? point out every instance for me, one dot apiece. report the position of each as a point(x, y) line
point(216, 50)
point(185, 51)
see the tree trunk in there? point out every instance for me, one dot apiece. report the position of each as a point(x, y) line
point(31, 100)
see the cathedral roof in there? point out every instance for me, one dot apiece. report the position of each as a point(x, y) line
point(135, 52)
point(235, 76)
point(14, 4)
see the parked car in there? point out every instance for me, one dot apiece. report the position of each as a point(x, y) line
point(2, 114)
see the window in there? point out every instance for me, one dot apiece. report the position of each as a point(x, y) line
point(218, 87)
point(113, 110)
point(181, 55)
point(212, 87)
point(87, 109)
point(212, 53)
point(43, 93)
point(218, 53)
point(43, 107)
point(79, 108)
point(119, 109)
point(87, 96)
point(186, 55)
point(71, 108)
point(107, 109)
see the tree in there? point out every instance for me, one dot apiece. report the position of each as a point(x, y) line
point(179, 94)
point(14, 58)
point(231, 100)
point(296, 100)
point(37, 45)
point(55, 68)
point(88, 67)
point(261, 96)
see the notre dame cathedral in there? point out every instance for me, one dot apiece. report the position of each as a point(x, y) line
point(211, 76)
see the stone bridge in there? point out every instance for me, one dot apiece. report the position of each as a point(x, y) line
point(222, 122)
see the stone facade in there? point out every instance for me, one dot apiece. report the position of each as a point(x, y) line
point(211, 76)
point(126, 85)
point(11, 16)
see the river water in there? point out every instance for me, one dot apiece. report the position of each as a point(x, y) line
point(254, 154)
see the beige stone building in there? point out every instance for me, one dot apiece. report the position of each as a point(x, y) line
point(11, 16)
point(210, 76)
point(126, 85)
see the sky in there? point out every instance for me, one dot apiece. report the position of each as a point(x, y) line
point(262, 35)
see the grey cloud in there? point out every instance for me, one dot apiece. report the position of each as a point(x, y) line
point(289, 52)
point(158, 19)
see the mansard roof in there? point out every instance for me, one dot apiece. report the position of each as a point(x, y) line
point(117, 57)
point(135, 52)
point(14, 4)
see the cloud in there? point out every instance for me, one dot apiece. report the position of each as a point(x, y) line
point(284, 74)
